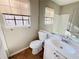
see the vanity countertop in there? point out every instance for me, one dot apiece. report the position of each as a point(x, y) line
point(75, 46)
point(70, 56)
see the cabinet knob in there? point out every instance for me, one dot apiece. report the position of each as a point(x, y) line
point(57, 55)
point(54, 53)
point(61, 47)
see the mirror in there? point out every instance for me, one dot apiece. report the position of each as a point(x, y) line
point(61, 19)
point(74, 23)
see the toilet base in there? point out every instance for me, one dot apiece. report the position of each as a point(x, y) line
point(36, 51)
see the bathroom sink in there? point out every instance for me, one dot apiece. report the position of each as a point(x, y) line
point(63, 46)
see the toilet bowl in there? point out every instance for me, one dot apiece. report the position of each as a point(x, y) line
point(37, 45)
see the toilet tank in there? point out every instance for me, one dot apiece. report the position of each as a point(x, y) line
point(42, 35)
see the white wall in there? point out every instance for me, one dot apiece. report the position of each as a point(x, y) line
point(19, 38)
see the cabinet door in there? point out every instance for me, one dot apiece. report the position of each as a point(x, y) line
point(51, 53)
point(48, 52)
point(59, 55)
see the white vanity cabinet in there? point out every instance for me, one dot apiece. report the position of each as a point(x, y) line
point(58, 55)
point(51, 53)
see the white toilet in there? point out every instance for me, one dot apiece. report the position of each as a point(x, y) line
point(37, 45)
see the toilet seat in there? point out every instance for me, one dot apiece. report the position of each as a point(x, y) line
point(36, 44)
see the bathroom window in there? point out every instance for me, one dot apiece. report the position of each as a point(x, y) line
point(16, 20)
point(14, 12)
point(49, 15)
point(48, 20)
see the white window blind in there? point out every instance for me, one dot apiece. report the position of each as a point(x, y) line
point(49, 15)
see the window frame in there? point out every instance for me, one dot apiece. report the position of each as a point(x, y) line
point(6, 25)
point(52, 17)
point(49, 20)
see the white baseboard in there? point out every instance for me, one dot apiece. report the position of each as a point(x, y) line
point(19, 51)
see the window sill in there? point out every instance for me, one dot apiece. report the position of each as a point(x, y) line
point(11, 27)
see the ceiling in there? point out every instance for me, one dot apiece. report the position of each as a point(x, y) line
point(65, 2)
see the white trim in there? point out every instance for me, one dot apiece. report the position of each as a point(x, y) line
point(19, 51)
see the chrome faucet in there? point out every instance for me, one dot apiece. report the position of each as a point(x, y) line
point(66, 39)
